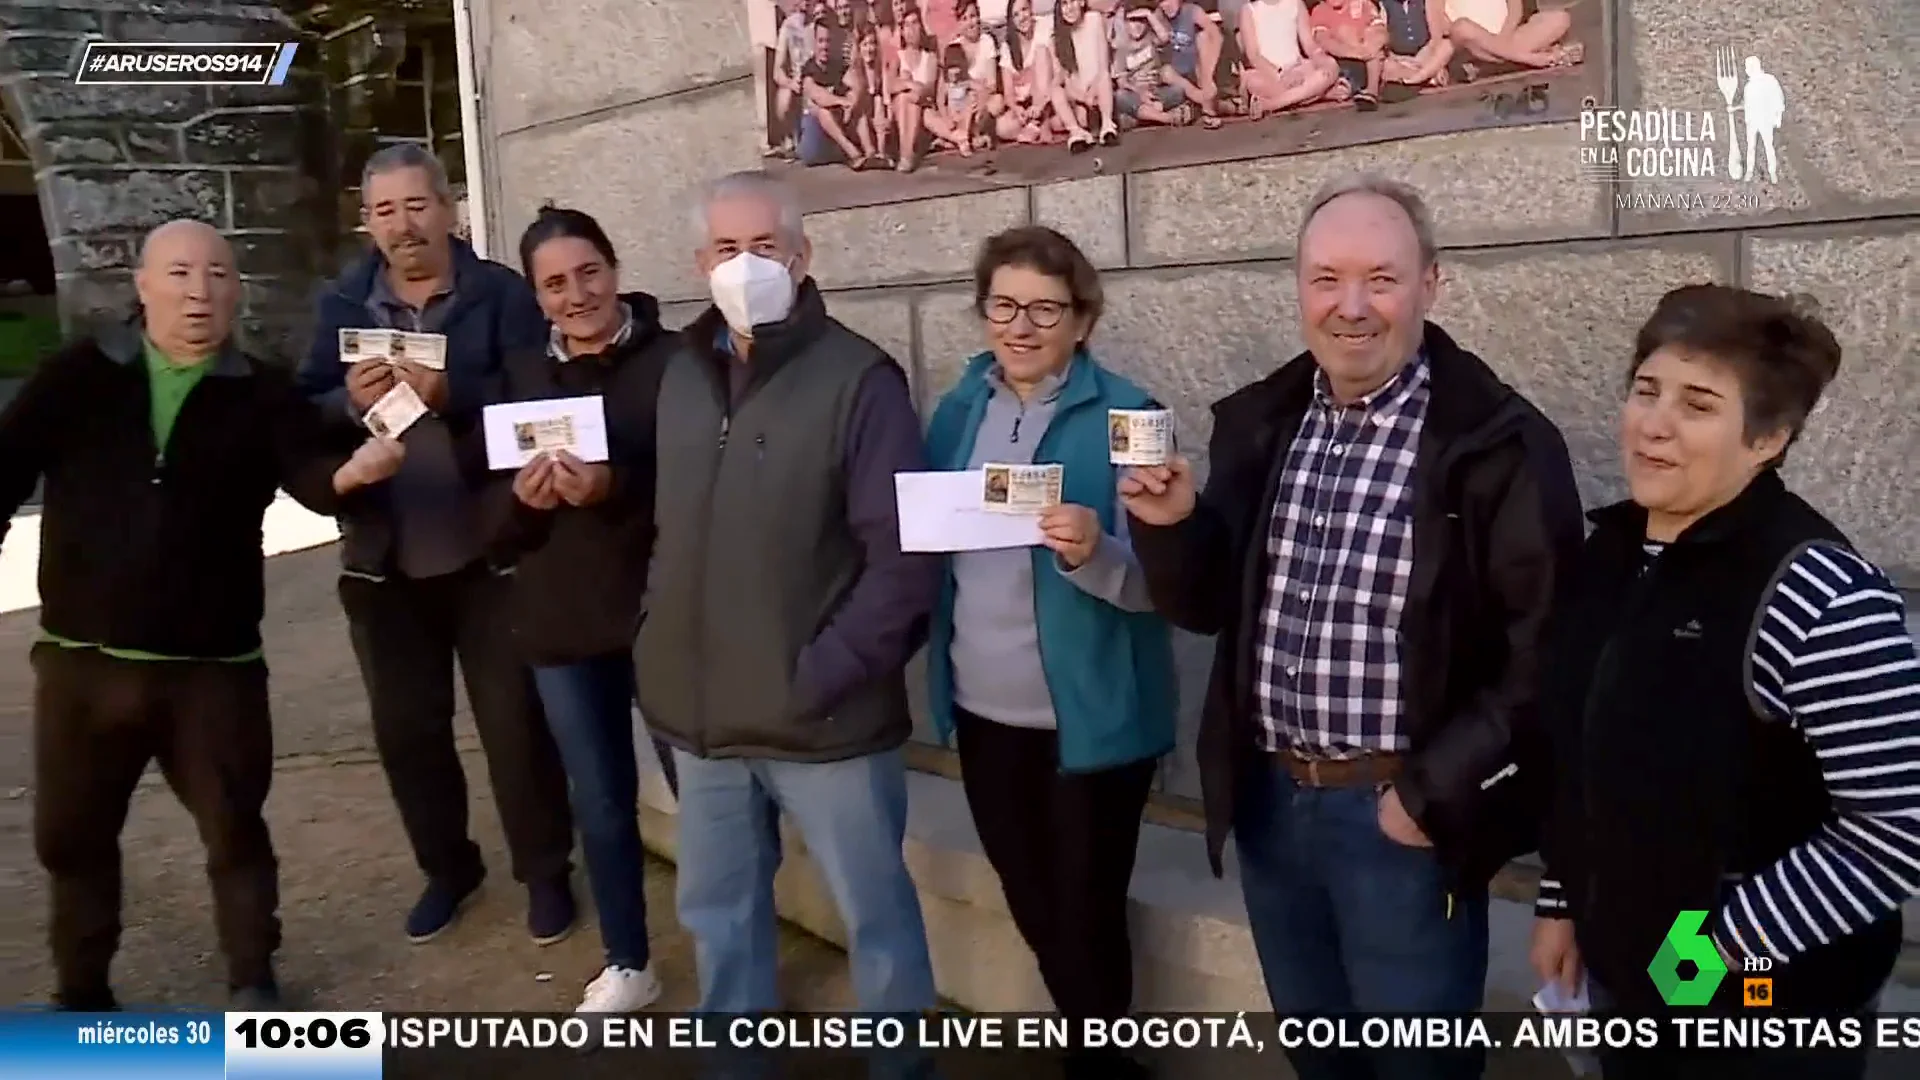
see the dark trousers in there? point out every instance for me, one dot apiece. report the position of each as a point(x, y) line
point(589, 708)
point(1063, 846)
point(97, 722)
point(1347, 919)
point(406, 634)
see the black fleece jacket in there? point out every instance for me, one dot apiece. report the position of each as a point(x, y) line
point(581, 572)
point(157, 548)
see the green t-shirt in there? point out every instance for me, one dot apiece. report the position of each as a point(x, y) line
point(168, 385)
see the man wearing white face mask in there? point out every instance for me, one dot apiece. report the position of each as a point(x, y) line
point(781, 613)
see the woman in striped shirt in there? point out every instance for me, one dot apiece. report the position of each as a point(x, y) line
point(1732, 700)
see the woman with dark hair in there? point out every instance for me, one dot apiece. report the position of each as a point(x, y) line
point(579, 535)
point(915, 70)
point(1026, 79)
point(1732, 703)
point(1083, 58)
point(1048, 663)
point(869, 83)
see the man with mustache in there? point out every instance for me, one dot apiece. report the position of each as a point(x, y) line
point(416, 584)
point(162, 445)
point(1382, 533)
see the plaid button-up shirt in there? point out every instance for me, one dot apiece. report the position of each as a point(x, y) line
point(1340, 548)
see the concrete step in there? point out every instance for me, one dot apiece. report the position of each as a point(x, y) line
point(1191, 944)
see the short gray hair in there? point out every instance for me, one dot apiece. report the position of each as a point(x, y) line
point(754, 184)
point(407, 155)
point(1405, 196)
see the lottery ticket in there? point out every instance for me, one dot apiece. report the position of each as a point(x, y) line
point(359, 344)
point(1139, 436)
point(544, 434)
point(424, 350)
point(1020, 489)
point(395, 412)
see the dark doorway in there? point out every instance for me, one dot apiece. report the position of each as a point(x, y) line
point(29, 312)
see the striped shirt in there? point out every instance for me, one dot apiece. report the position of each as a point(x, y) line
point(1833, 657)
point(1340, 548)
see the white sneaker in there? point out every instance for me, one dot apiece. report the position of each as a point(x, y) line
point(620, 990)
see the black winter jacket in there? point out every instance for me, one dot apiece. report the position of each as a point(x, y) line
point(152, 548)
point(1496, 519)
point(580, 573)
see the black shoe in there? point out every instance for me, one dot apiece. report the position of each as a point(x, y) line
point(98, 999)
point(551, 911)
point(263, 996)
point(438, 906)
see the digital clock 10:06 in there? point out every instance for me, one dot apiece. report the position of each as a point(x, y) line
point(275, 1032)
point(312, 1035)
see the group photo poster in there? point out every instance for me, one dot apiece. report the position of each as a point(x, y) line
point(872, 101)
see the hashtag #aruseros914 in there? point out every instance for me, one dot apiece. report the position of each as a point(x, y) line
point(170, 63)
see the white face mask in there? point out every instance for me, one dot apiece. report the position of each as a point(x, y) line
point(751, 290)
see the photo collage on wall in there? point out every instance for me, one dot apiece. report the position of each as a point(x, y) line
point(873, 101)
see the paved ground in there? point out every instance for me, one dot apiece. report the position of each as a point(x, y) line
point(347, 876)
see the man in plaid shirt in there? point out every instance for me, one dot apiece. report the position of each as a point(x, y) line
point(1375, 552)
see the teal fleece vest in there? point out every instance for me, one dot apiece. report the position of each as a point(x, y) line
point(1110, 672)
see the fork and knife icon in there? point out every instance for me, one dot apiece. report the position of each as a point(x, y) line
point(1726, 72)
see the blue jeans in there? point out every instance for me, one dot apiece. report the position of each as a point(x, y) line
point(589, 708)
point(815, 146)
point(1345, 919)
point(852, 816)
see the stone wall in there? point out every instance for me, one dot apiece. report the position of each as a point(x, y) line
point(114, 161)
point(623, 107)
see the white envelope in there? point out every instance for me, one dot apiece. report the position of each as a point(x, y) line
point(520, 431)
point(940, 511)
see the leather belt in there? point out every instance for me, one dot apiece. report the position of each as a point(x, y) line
point(1366, 770)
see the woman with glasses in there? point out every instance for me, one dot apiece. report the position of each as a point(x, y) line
point(1046, 663)
point(1733, 703)
point(578, 534)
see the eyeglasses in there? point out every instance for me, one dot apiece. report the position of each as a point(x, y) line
point(1043, 314)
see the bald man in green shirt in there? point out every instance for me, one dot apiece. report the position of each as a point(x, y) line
point(162, 446)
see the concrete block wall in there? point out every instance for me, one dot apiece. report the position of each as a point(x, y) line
point(624, 107)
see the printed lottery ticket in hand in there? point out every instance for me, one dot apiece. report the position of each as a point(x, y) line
point(424, 350)
point(1139, 436)
point(545, 434)
point(396, 411)
point(359, 344)
point(1021, 489)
